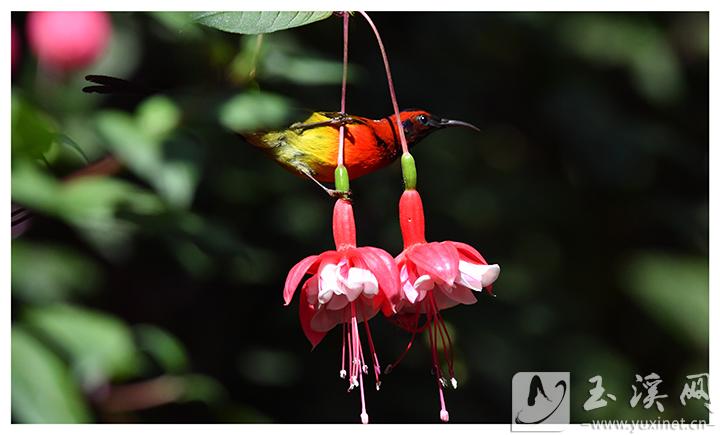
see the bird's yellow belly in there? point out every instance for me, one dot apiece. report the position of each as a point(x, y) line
point(315, 150)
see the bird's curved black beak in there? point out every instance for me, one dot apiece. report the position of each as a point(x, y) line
point(454, 123)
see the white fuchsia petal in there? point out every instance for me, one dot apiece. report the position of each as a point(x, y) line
point(410, 293)
point(477, 276)
point(328, 284)
point(424, 283)
point(364, 279)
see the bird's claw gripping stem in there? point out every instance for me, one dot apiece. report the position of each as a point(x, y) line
point(337, 121)
point(336, 194)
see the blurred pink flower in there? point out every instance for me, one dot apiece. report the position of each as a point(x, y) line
point(14, 47)
point(347, 287)
point(68, 41)
point(434, 276)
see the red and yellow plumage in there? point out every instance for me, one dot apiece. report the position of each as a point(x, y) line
point(310, 148)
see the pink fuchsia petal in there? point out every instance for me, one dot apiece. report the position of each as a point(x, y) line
point(307, 312)
point(337, 303)
point(382, 266)
point(325, 319)
point(312, 288)
point(457, 295)
point(477, 276)
point(439, 260)
point(468, 253)
point(296, 275)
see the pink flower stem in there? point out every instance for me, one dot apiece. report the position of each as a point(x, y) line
point(343, 89)
point(401, 131)
point(407, 162)
point(342, 179)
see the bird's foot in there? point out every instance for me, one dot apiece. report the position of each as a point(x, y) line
point(339, 194)
point(336, 121)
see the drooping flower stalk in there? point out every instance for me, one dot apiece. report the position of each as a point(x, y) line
point(407, 161)
point(343, 90)
point(396, 108)
point(433, 276)
point(348, 285)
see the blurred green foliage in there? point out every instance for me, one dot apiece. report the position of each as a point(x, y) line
point(43, 390)
point(153, 294)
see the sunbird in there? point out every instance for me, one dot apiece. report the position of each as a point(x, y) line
point(309, 148)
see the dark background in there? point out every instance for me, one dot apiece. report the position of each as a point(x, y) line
point(588, 185)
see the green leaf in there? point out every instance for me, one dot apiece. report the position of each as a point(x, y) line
point(90, 204)
point(68, 154)
point(134, 147)
point(202, 388)
point(675, 291)
point(304, 71)
point(254, 110)
point(158, 116)
point(33, 188)
point(258, 22)
point(100, 347)
point(42, 388)
point(79, 201)
point(32, 131)
point(47, 273)
point(167, 350)
point(169, 164)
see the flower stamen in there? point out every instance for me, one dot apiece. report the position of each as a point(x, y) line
point(415, 330)
point(376, 362)
point(432, 313)
point(357, 378)
point(343, 373)
point(449, 356)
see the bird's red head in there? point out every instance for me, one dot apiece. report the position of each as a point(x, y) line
point(418, 123)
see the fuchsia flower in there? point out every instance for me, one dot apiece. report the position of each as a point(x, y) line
point(435, 276)
point(347, 287)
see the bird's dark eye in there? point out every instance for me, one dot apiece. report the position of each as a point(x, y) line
point(422, 119)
